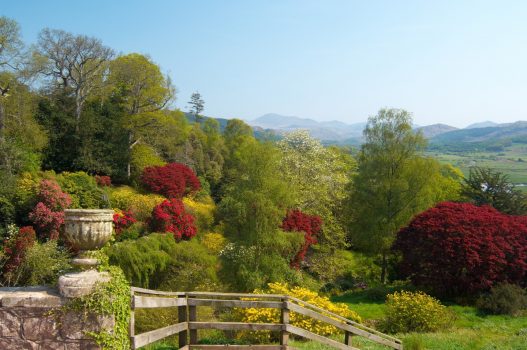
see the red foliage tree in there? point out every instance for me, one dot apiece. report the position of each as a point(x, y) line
point(170, 216)
point(300, 222)
point(16, 247)
point(48, 215)
point(173, 180)
point(103, 181)
point(459, 249)
point(122, 220)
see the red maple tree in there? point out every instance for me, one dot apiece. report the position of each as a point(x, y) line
point(173, 180)
point(459, 249)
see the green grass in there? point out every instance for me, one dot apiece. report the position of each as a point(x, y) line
point(512, 161)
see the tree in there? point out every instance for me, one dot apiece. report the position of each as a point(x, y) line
point(75, 62)
point(392, 183)
point(459, 249)
point(487, 186)
point(255, 202)
point(319, 178)
point(197, 105)
point(140, 87)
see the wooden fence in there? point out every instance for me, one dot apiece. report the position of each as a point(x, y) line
point(188, 325)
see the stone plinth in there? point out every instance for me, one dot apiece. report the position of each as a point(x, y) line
point(31, 318)
point(77, 284)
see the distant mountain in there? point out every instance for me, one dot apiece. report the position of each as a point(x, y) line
point(430, 131)
point(486, 124)
point(492, 139)
point(325, 131)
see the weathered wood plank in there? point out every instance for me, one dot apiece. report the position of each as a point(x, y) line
point(236, 326)
point(143, 302)
point(237, 295)
point(343, 319)
point(152, 336)
point(312, 336)
point(345, 327)
point(193, 317)
point(236, 303)
point(236, 347)
point(156, 292)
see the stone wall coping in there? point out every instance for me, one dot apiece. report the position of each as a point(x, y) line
point(35, 296)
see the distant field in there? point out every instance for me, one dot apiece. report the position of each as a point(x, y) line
point(511, 161)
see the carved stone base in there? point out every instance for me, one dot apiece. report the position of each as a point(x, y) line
point(77, 284)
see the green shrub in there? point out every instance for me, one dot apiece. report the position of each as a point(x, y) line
point(414, 312)
point(504, 299)
point(156, 261)
point(134, 231)
point(43, 264)
point(82, 189)
point(380, 292)
point(7, 216)
point(192, 267)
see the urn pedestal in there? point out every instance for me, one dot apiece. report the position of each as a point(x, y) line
point(85, 230)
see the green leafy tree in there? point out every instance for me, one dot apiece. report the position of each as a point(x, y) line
point(252, 209)
point(143, 91)
point(393, 183)
point(485, 186)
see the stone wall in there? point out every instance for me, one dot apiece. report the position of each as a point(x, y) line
point(31, 318)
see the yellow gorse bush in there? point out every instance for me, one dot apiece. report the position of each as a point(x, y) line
point(415, 312)
point(203, 211)
point(141, 205)
point(273, 315)
point(214, 242)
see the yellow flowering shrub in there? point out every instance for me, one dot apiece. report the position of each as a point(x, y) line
point(202, 211)
point(414, 312)
point(127, 198)
point(258, 315)
point(214, 242)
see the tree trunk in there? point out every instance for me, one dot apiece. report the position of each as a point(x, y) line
point(384, 267)
point(2, 122)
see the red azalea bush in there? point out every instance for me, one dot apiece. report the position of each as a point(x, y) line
point(300, 222)
point(103, 181)
point(460, 249)
point(170, 216)
point(123, 220)
point(16, 247)
point(173, 180)
point(48, 215)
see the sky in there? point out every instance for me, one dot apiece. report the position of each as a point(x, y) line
point(453, 62)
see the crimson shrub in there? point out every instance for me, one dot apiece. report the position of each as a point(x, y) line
point(170, 216)
point(48, 214)
point(458, 249)
point(122, 220)
point(173, 180)
point(301, 222)
point(15, 248)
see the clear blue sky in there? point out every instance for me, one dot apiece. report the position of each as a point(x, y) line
point(453, 62)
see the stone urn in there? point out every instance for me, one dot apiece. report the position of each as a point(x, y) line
point(85, 230)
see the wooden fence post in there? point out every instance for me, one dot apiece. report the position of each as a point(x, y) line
point(182, 317)
point(131, 329)
point(347, 338)
point(192, 317)
point(284, 319)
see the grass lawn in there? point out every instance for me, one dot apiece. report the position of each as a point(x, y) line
point(471, 330)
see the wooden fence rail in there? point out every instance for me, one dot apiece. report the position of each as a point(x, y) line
point(188, 325)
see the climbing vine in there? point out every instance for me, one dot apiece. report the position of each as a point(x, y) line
point(109, 298)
